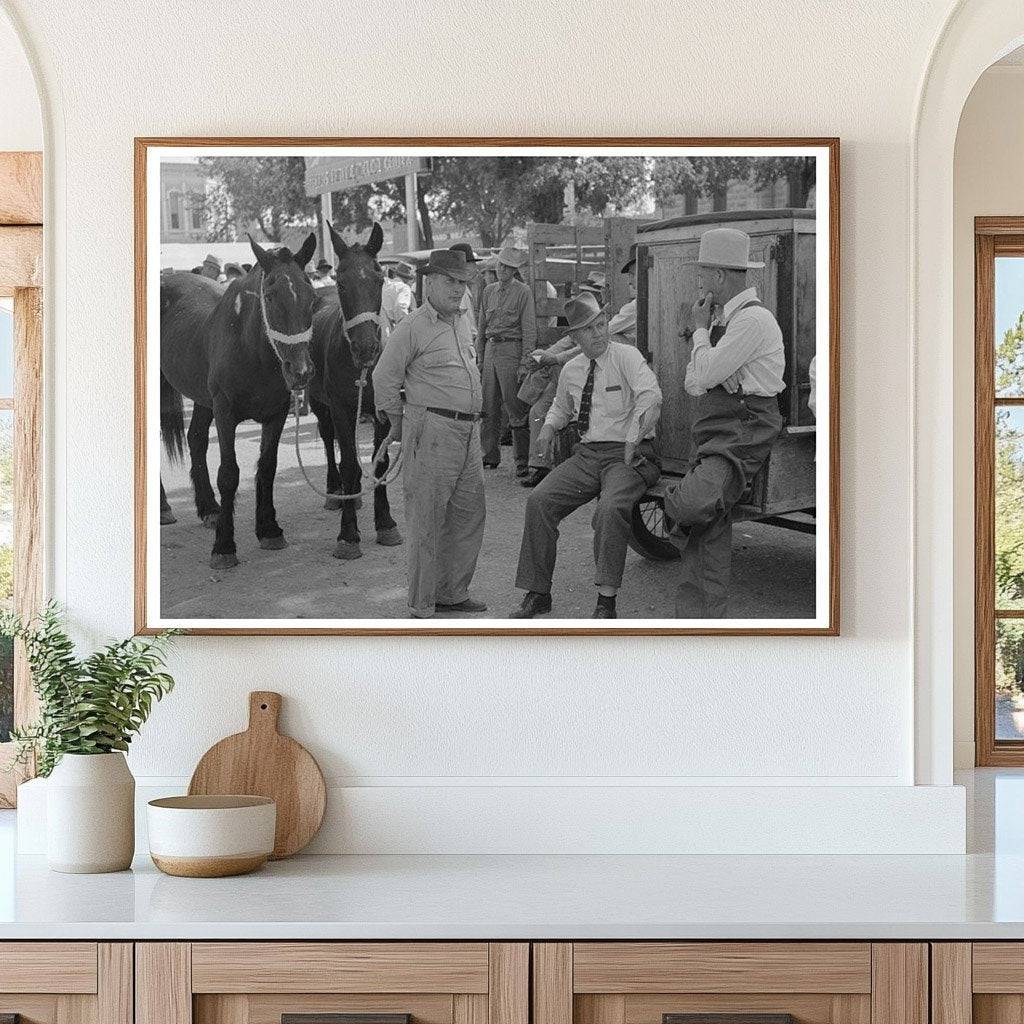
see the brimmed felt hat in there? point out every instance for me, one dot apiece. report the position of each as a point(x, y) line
point(406, 270)
point(594, 283)
point(728, 248)
point(211, 261)
point(582, 311)
point(471, 257)
point(451, 263)
point(233, 266)
point(512, 257)
point(625, 320)
point(631, 261)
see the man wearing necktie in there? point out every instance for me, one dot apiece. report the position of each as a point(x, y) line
point(615, 398)
point(735, 372)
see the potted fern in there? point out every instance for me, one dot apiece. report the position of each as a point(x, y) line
point(89, 709)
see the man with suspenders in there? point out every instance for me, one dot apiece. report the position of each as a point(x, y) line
point(735, 372)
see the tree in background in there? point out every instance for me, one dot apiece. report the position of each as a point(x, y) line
point(269, 191)
point(676, 176)
point(1009, 508)
point(797, 170)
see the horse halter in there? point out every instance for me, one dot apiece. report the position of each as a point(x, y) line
point(362, 318)
point(278, 337)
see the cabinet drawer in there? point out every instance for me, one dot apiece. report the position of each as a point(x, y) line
point(259, 982)
point(48, 967)
point(630, 967)
point(340, 967)
point(812, 982)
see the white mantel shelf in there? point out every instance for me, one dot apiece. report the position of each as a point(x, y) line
point(531, 897)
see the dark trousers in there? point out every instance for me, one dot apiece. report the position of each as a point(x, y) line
point(501, 386)
point(592, 471)
point(734, 435)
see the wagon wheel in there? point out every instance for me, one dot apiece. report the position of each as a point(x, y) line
point(649, 535)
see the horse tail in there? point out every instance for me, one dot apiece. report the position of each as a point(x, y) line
point(172, 420)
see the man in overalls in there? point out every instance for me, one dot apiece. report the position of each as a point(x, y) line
point(735, 372)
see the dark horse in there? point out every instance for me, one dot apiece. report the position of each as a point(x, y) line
point(238, 354)
point(346, 346)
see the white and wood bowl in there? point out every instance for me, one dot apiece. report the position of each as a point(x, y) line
point(211, 836)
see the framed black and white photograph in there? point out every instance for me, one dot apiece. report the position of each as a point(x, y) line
point(487, 386)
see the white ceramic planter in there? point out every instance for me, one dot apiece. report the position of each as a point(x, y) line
point(90, 814)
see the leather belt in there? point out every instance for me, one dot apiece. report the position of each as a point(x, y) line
point(451, 414)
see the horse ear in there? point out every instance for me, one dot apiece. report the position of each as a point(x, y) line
point(264, 258)
point(305, 254)
point(373, 246)
point(340, 248)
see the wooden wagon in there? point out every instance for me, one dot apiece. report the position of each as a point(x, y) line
point(784, 492)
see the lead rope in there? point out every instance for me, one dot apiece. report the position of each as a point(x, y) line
point(391, 474)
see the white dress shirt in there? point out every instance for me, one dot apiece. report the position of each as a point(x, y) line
point(750, 351)
point(625, 389)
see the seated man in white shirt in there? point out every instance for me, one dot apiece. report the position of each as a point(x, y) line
point(615, 398)
point(735, 371)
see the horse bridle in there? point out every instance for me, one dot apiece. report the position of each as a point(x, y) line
point(362, 318)
point(279, 337)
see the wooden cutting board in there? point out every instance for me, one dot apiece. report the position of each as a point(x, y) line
point(262, 762)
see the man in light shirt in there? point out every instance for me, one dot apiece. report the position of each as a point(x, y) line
point(430, 354)
point(396, 299)
point(615, 398)
point(735, 372)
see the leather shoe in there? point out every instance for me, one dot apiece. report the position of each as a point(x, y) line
point(534, 478)
point(602, 611)
point(490, 465)
point(469, 605)
point(533, 604)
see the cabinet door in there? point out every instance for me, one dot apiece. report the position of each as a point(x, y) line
point(304, 982)
point(749, 982)
point(66, 982)
point(981, 982)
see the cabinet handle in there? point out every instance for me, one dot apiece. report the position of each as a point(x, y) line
point(728, 1018)
point(338, 1018)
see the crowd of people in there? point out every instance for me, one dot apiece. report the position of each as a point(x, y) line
point(474, 355)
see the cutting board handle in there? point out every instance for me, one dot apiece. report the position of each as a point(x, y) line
point(264, 710)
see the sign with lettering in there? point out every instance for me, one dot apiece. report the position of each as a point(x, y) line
point(337, 173)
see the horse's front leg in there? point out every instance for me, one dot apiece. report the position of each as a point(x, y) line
point(270, 535)
point(351, 480)
point(224, 554)
point(325, 425)
point(387, 528)
point(198, 445)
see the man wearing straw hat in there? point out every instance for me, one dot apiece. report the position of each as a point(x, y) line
point(507, 334)
point(430, 354)
point(615, 398)
point(735, 372)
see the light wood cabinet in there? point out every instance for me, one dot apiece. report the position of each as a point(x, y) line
point(815, 982)
point(977, 982)
point(259, 982)
point(66, 982)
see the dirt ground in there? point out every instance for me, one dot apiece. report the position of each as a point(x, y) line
point(773, 569)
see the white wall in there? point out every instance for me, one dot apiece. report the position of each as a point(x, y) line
point(988, 181)
point(21, 124)
point(491, 712)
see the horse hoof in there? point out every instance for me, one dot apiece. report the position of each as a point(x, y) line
point(223, 561)
point(210, 520)
point(389, 538)
point(167, 517)
point(333, 504)
point(273, 543)
point(347, 551)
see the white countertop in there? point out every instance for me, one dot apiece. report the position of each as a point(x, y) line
point(531, 897)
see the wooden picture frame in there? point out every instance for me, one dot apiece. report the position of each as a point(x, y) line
point(147, 618)
point(21, 277)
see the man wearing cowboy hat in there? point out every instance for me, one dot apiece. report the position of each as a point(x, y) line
point(735, 372)
point(614, 396)
point(396, 298)
point(430, 354)
point(507, 334)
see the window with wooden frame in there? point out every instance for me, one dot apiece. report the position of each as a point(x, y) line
point(21, 350)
